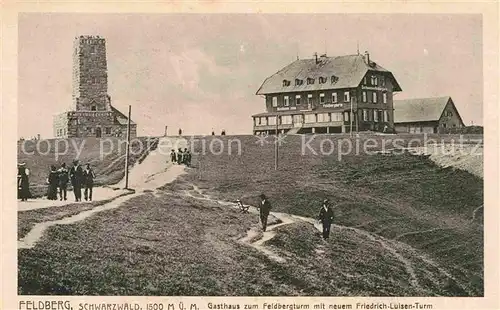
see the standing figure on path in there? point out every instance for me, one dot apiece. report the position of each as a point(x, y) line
point(23, 184)
point(88, 182)
point(180, 132)
point(76, 176)
point(53, 181)
point(63, 181)
point(179, 156)
point(264, 209)
point(173, 157)
point(326, 218)
point(187, 157)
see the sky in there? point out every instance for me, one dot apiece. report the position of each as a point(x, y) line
point(200, 72)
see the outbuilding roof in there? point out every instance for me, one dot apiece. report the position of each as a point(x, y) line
point(348, 72)
point(420, 109)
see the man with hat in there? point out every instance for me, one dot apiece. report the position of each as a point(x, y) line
point(326, 218)
point(264, 209)
point(76, 176)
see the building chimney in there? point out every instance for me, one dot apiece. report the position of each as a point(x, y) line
point(316, 57)
point(367, 58)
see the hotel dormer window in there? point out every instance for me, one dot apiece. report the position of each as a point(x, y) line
point(93, 108)
point(298, 82)
point(322, 80)
point(286, 83)
point(310, 81)
point(334, 79)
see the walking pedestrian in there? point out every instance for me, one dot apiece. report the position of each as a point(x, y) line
point(180, 132)
point(88, 182)
point(76, 176)
point(53, 181)
point(63, 181)
point(264, 209)
point(23, 191)
point(326, 218)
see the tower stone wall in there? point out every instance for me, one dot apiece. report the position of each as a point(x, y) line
point(91, 113)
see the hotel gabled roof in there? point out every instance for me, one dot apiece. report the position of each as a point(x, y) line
point(350, 71)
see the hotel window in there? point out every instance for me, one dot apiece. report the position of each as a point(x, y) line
point(386, 116)
point(287, 101)
point(298, 82)
point(364, 96)
point(297, 100)
point(365, 115)
point(310, 81)
point(347, 96)
point(323, 118)
point(364, 81)
point(336, 117)
point(275, 102)
point(263, 121)
point(107, 130)
point(286, 83)
point(334, 98)
point(286, 119)
point(382, 81)
point(384, 97)
point(93, 108)
point(271, 120)
point(310, 99)
point(297, 119)
point(346, 116)
point(310, 118)
point(374, 80)
point(374, 97)
point(322, 98)
point(375, 115)
point(334, 79)
point(322, 80)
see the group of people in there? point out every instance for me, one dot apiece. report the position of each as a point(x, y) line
point(80, 178)
point(325, 214)
point(181, 157)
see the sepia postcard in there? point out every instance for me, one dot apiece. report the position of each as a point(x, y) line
point(223, 155)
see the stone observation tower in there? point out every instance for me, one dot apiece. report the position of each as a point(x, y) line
point(91, 113)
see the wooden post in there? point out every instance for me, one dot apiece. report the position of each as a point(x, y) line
point(128, 148)
point(351, 115)
point(276, 146)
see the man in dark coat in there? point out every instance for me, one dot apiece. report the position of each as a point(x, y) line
point(264, 209)
point(179, 156)
point(173, 157)
point(187, 157)
point(76, 176)
point(326, 218)
point(63, 181)
point(88, 182)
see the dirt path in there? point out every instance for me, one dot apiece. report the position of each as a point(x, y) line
point(143, 178)
point(257, 239)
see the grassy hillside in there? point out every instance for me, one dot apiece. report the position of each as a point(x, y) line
point(401, 197)
point(106, 158)
point(403, 228)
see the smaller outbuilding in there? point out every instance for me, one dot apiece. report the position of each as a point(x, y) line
point(426, 115)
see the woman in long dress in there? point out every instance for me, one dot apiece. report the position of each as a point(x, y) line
point(53, 181)
point(23, 191)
